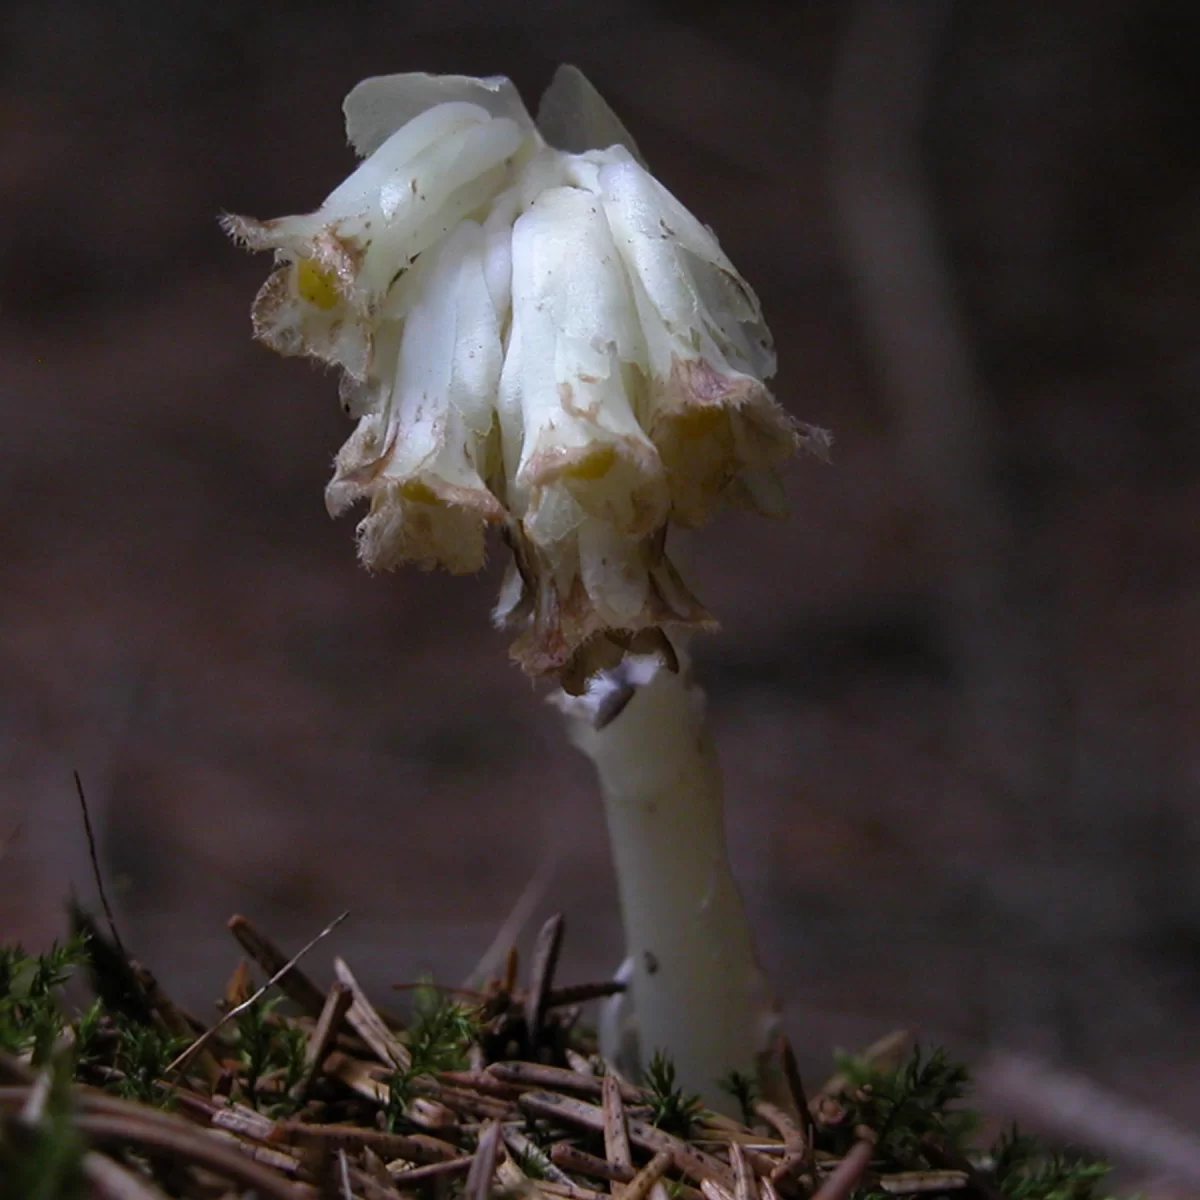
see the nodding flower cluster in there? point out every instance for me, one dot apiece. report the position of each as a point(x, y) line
point(538, 340)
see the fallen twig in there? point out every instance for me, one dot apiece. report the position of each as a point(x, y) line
point(182, 1059)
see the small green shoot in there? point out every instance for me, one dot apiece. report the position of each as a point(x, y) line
point(905, 1105)
point(30, 1018)
point(672, 1109)
point(532, 1162)
point(744, 1090)
point(268, 1046)
point(143, 1053)
point(438, 1039)
point(1024, 1171)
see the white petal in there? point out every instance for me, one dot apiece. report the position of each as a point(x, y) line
point(613, 574)
point(361, 190)
point(377, 107)
point(571, 329)
point(573, 116)
point(422, 203)
point(449, 365)
point(687, 277)
point(497, 261)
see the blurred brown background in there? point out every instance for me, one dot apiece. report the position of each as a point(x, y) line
point(956, 695)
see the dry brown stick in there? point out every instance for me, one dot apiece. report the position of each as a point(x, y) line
point(743, 1177)
point(502, 948)
point(512, 1180)
point(359, 1076)
point(570, 1190)
point(639, 1187)
point(471, 1102)
point(236, 1125)
point(537, 1075)
point(246, 1122)
point(712, 1190)
point(93, 1100)
point(91, 844)
point(109, 1180)
point(571, 1158)
point(521, 1147)
point(789, 1132)
point(581, 993)
point(181, 1060)
point(573, 1192)
point(512, 964)
point(482, 1082)
point(240, 984)
point(888, 1052)
point(431, 1112)
point(277, 1160)
point(688, 1160)
point(176, 1022)
point(90, 1099)
point(479, 1178)
point(942, 1155)
point(294, 983)
point(914, 1183)
point(449, 1166)
point(760, 1163)
point(843, 1179)
point(372, 1188)
point(320, 1041)
point(580, 1063)
point(154, 1138)
point(541, 973)
point(368, 1024)
point(786, 1174)
point(616, 1132)
point(416, 1147)
point(791, 1074)
point(174, 1019)
point(798, 1148)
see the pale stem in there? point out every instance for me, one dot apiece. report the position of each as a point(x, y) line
point(698, 992)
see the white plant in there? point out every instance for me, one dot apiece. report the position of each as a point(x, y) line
point(536, 336)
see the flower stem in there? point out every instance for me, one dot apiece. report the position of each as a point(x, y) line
point(697, 989)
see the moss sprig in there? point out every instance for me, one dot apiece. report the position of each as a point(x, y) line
point(269, 1046)
point(918, 1100)
point(31, 1019)
point(439, 1037)
point(1023, 1170)
point(672, 1109)
point(744, 1090)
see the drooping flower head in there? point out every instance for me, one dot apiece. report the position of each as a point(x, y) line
point(534, 335)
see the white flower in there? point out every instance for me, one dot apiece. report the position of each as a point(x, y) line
point(339, 264)
point(543, 340)
point(424, 441)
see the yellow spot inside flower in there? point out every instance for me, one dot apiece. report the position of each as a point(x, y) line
point(418, 492)
point(594, 465)
point(316, 284)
